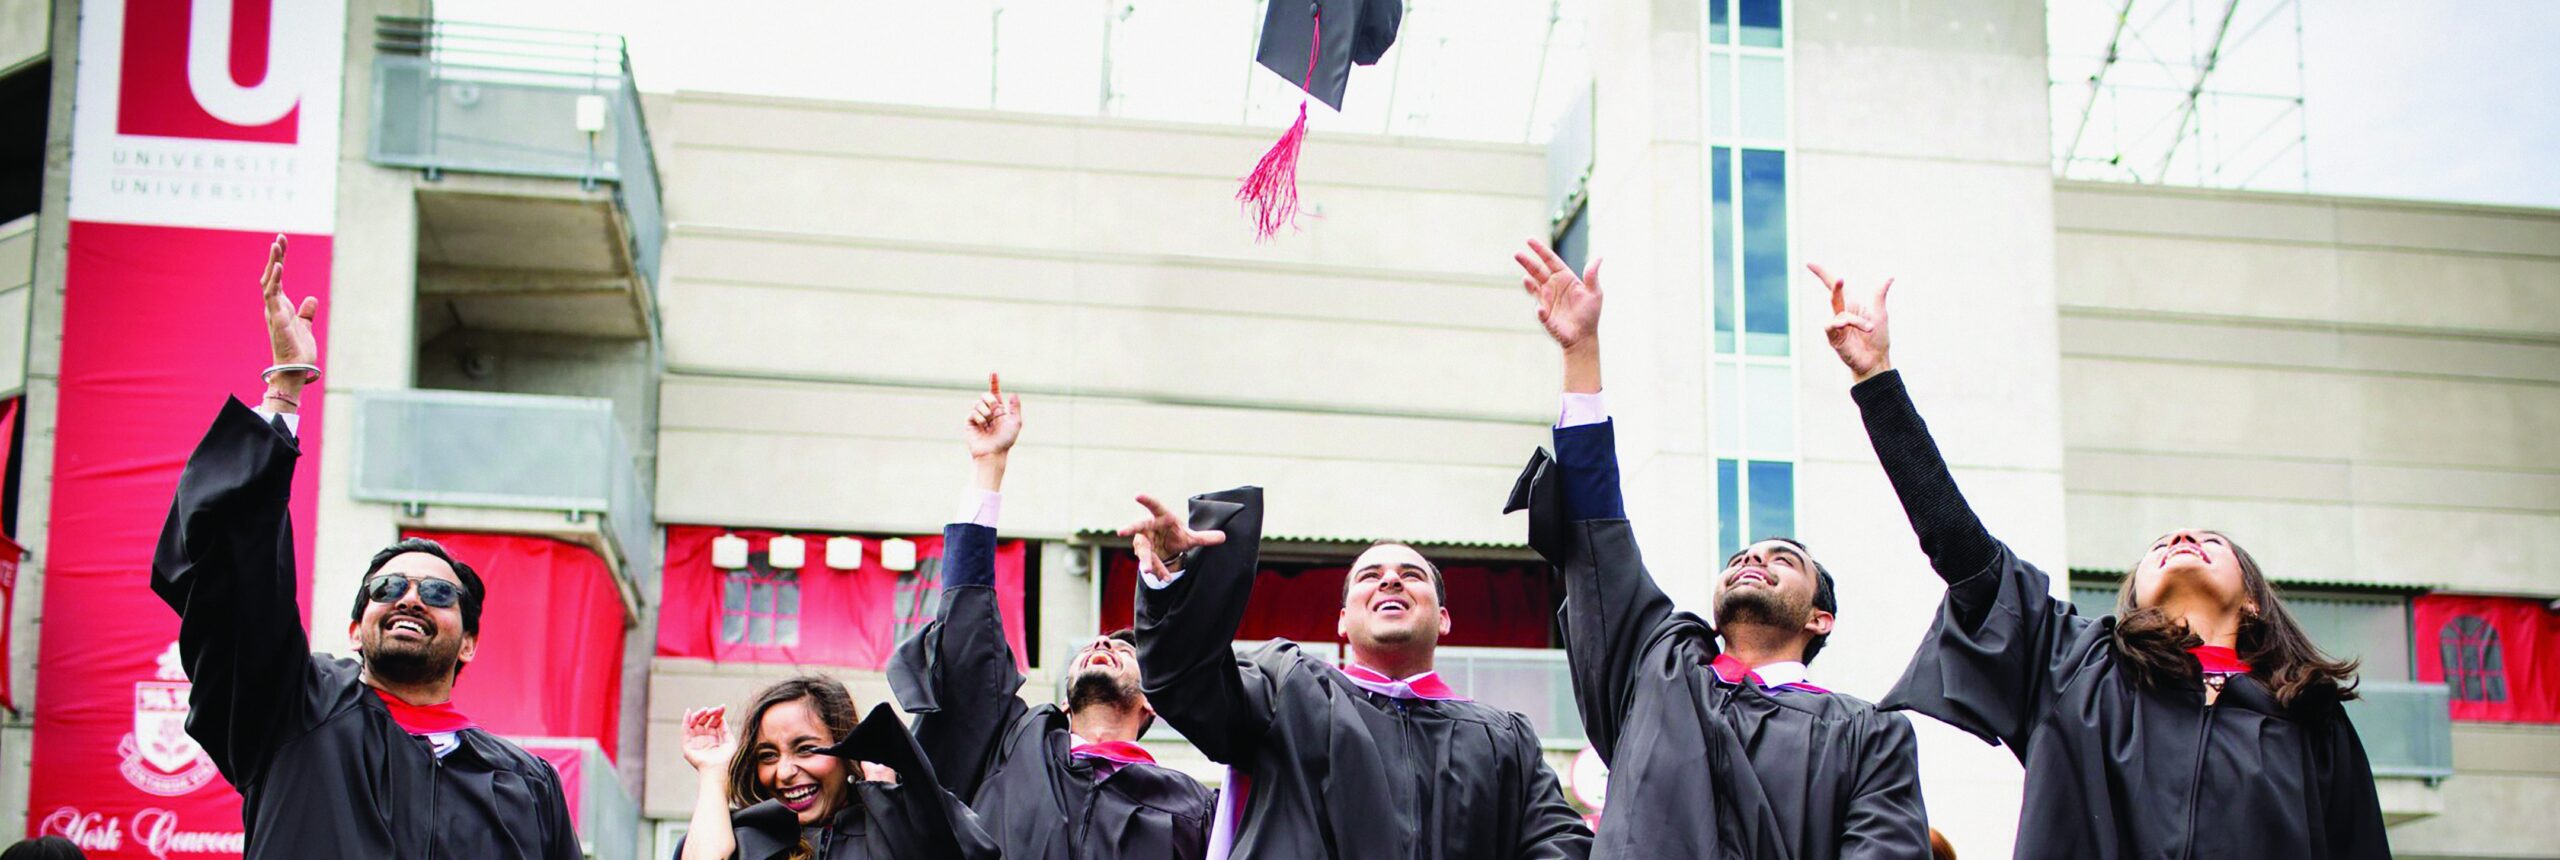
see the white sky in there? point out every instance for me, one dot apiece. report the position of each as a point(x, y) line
point(2432, 99)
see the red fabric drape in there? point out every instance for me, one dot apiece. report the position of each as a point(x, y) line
point(2501, 655)
point(570, 763)
point(1494, 606)
point(551, 634)
point(848, 618)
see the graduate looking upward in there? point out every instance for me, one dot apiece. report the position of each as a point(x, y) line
point(334, 757)
point(1049, 784)
point(1377, 758)
point(2198, 721)
point(1718, 746)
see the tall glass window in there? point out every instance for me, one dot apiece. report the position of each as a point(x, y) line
point(1751, 263)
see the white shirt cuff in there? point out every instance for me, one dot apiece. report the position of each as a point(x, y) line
point(979, 507)
point(1151, 583)
point(1581, 409)
point(292, 420)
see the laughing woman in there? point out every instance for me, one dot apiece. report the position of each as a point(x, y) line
point(2198, 721)
point(792, 786)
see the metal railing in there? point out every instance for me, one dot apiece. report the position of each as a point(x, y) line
point(515, 451)
point(483, 98)
point(2407, 728)
point(608, 818)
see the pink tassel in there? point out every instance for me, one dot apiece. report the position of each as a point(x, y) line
point(1270, 192)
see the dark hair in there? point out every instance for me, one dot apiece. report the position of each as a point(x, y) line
point(1439, 588)
point(43, 848)
point(2154, 644)
point(826, 696)
point(474, 592)
point(1826, 592)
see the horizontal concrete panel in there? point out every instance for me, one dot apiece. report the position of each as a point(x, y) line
point(852, 458)
point(2319, 482)
point(852, 265)
point(1344, 224)
point(1999, 27)
point(1141, 352)
point(2117, 405)
point(2369, 544)
point(2199, 276)
point(2486, 815)
point(2406, 288)
point(2513, 749)
point(2108, 333)
point(2306, 219)
point(851, 129)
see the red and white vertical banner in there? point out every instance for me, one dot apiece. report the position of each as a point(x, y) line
point(200, 129)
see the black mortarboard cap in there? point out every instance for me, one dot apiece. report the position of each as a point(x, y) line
point(1353, 31)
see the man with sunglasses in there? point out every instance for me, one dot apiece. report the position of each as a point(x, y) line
point(334, 757)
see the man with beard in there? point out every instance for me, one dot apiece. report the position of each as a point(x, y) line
point(334, 757)
point(1717, 745)
point(1050, 785)
point(1374, 759)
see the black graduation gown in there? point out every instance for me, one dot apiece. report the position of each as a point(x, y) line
point(1332, 770)
point(2113, 770)
point(1010, 761)
point(322, 769)
point(1698, 767)
point(911, 819)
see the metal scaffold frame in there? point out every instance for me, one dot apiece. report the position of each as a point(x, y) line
point(2180, 92)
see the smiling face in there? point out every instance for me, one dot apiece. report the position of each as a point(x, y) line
point(793, 766)
point(1391, 601)
point(1771, 583)
point(407, 641)
point(1104, 672)
point(2192, 564)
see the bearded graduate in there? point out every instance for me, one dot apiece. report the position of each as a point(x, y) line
point(334, 757)
point(1071, 784)
point(1718, 743)
point(2198, 721)
point(1378, 758)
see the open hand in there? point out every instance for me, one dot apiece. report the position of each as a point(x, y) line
point(996, 421)
point(1568, 306)
point(1161, 538)
point(1857, 330)
point(708, 745)
point(288, 325)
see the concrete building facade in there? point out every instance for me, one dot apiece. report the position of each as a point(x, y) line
point(780, 308)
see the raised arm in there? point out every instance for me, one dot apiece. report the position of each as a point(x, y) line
point(708, 747)
point(1195, 579)
point(225, 560)
point(1577, 516)
point(1989, 664)
point(958, 676)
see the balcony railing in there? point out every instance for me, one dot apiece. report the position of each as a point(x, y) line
point(608, 819)
point(515, 451)
point(482, 98)
point(2407, 728)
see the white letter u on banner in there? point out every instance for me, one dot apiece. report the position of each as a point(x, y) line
point(209, 67)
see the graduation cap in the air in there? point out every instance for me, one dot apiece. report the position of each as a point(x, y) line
point(1313, 44)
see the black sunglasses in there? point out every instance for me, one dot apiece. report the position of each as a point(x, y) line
point(389, 587)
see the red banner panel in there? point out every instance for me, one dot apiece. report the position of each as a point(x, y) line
point(550, 657)
point(1490, 606)
point(143, 373)
point(570, 762)
point(817, 615)
point(2501, 655)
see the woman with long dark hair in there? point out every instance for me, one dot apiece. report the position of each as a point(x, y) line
point(2198, 721)
point(791, 784)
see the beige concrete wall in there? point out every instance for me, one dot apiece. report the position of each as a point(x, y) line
point(841, 278)
point(2500, 800)
point(2358, 390)
point(26, 32)
point(17, 289)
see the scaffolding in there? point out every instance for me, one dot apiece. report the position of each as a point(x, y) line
point(2180, 92)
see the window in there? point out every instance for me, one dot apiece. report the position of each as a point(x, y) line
point(760, 605)
point(1572, 239)
point(1754, 499)
point(2474, 668)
